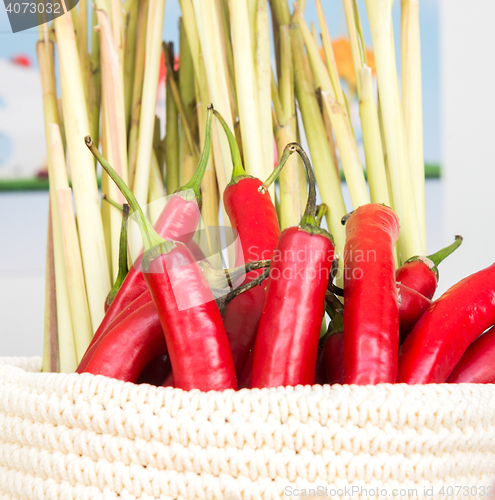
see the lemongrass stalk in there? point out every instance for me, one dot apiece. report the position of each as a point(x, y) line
point(264, 76)
point(329, 131)
point(114, 128)
point(94, 92)
point(44, 50)
point(175, 99)
point(156, 195)
point(226, 41)
point(148, 99)
point(50, 338)
point(379, 17)
point(137, 88)
point(296, 172)
point(355, 39)
point(117, 27)
point(246, 89)
point(81, 321)
point(131, 24)
point(82, 169)
point(82, 41)
point(208, 28)
point(329, 56)
point(340, 120)
point(372, 140)
point(325, 172)
point(58, 178)
point(187, 93)
point(412, 103)
point(171, 139)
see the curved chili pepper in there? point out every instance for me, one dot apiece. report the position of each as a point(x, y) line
point(421, 273)
point(371, 311)
point(143, 299)
point(412, 305)
point(128, 347)
point(287, 339)
point(444, 332)
point(253, 215)
point(477, 365)
point(195, 336)
point(178, 222)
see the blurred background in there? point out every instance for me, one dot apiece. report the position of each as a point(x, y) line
point(458, 110)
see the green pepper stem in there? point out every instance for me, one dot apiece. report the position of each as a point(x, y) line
point(109, 200)
point(197, 178)
point(437, 257)
point(309, 216)
point(151, 238)
point(237, 168)
point(123, 269)
point(320, 212)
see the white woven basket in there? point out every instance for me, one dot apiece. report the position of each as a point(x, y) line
point(91, 437)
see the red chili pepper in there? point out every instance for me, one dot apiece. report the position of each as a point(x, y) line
point(477, 365)
point(287, 339)
point(334, 358)
point(412, 305)
point(196, 339)
point(156, 371)
point(253, 215)
point(178, 221)
point(320, 372)
point(128, 347)
point(143, 299)
point(371, 312)
point(421, 273)
point(447, 328)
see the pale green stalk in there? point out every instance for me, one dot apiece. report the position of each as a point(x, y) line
point(130, 57)
point(148, 100)
point(380, 20)
point(137, 88)
point(187, 93)
point(340, 120)
point(264, 73)
point(372, 140)
point(94, 92)
point(50, 338)
point(90, 226)
point(81, 321)
point(58, 178)
point(247, 90)
point(412, 104)
point(171, 138)
point(325, 172)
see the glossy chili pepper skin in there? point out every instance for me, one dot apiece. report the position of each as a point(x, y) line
point(442, 335)
point(419, 276)
point(371, 312)
point(178, 221)
point(254, 217)
point(412, 305)
point(196, 339)
point(124, 351)
point(156, 371)
point(477, 365)
point(334, 358)
point(287, 339)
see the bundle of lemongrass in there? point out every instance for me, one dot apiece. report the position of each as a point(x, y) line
point(109, 92)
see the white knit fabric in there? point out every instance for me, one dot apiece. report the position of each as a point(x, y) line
point(91, 437)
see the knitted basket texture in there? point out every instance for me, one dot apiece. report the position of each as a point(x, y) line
point(70, 436)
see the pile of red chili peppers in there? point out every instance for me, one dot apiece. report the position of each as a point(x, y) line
point(164, 327)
